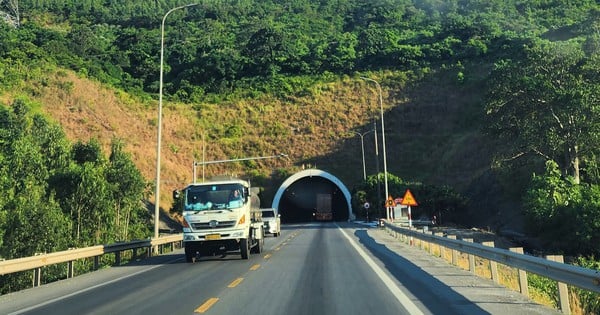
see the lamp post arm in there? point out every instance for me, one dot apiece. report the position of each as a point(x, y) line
point(362, 149)
point(281, 155)
point(242, 159)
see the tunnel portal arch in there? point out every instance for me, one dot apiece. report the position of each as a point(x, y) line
point(296, 196)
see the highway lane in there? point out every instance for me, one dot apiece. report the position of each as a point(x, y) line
point(316, 268)
point(315, 271)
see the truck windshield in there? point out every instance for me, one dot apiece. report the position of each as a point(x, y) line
point(214, 197)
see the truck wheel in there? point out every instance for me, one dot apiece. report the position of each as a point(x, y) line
point(260, 244)
point(190, 254)
point(245, 248)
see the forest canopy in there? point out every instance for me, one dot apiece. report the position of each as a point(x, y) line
point(217, 47)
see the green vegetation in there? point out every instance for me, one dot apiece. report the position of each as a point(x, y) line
point(56, 196)
point(441, 201)
point(497, 99)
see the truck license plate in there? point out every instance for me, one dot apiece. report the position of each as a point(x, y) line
point(211, 237)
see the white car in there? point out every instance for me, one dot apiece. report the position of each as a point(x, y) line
point(272, 221)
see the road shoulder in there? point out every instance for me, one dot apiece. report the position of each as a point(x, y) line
point(483, 293)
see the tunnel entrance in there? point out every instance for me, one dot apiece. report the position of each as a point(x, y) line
point(302, 195)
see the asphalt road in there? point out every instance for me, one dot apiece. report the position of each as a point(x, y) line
point(317, 268)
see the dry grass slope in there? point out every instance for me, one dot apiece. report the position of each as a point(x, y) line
point(304, 128)
point(431, 135)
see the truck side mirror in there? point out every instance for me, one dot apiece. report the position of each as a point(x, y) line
point(176, 194)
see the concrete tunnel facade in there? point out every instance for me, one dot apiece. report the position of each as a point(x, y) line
point(296, 197)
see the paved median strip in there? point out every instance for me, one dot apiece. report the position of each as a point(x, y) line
point(204, 307)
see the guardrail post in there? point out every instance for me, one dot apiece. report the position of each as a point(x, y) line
point(422, 242)
point(523, 283)
point(454, 259)
point(431, 244)
point(563, 291)
point(117, 258)
point(471, 257)
point(70, 269)
point(37, 277)
point(493, 264)
point(440, 234)
point(96, 262)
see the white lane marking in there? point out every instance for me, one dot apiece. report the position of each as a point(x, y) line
point(89, 289)
point(400, 296)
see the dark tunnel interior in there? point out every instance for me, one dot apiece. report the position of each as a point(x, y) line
point(299, 201)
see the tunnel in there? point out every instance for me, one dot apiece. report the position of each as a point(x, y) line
point(297, 198)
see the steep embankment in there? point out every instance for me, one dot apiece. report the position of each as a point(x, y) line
point(432, 131)
point(306, 129)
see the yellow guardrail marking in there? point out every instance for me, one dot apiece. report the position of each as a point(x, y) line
point(235, 283)
point(208, 304)
point(255, 267)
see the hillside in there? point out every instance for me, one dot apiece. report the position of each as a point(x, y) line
point(432, 131)
point(262, 78)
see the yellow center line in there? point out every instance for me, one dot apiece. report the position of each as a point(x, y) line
point(204, 307)
point(277, 248)
point(235, 283)
point(267, 256)
point(255, 267)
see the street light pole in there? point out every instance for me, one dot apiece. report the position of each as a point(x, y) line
point(203, 163)
point(362, 146)
point(159, 132)
point(377, 164)
point(385, 177)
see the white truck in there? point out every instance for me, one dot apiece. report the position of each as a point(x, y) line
point(272, 221)
point(220, 216)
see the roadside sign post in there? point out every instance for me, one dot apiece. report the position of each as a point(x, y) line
point(389, 207)
point(409, 200)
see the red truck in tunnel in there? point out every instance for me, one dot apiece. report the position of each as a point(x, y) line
point(323, 210)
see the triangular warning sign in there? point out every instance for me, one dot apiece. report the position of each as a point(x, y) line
point(409, 199)
point(389, 202)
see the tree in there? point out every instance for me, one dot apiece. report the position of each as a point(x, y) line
point(546, 104)
point(30, 219)
point(127, 186)
point(562, 213)
point(263, 50)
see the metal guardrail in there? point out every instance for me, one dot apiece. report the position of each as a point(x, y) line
point(67, 256)
point(578, 276)
point(584, 278)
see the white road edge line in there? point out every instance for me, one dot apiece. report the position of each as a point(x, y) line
point(402, 298)
point(21, 311)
